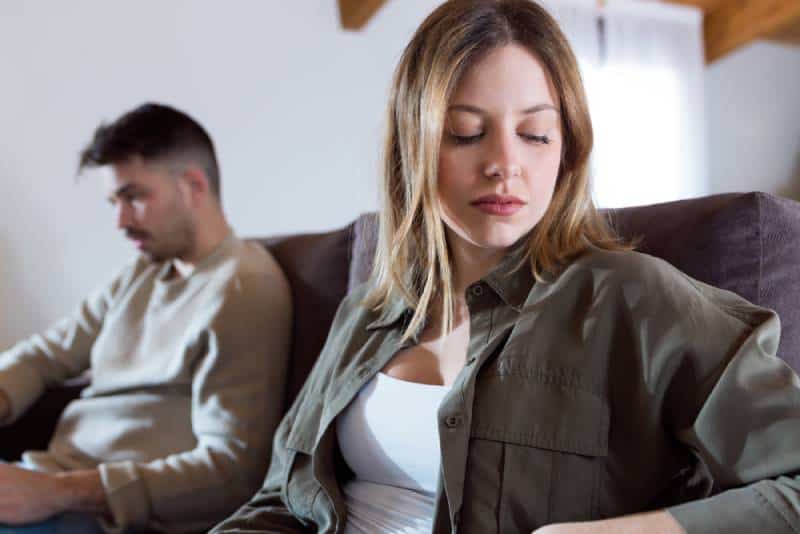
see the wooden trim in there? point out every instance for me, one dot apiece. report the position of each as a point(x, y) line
point(788, 34)
point(355, 14)
point(738, 22)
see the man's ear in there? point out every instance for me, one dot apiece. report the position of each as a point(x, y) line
point(196, 181)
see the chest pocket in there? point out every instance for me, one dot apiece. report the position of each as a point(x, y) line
point(541, 442)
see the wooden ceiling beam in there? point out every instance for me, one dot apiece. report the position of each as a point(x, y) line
point(737, 22)
point(354, 14)
point(788, 34)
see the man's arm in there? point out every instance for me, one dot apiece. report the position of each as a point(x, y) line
point(63, 351)
point(266, 511)
point(237, 400)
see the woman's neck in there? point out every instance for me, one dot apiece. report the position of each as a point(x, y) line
point(471, 263)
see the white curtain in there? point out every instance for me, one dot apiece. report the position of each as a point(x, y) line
point(643, 67)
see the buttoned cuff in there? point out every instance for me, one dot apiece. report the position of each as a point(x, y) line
point(126, 495)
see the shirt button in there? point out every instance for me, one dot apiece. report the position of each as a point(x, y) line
point(471, 360)
point(363, 372)
point(452, 421)
point(476, 290)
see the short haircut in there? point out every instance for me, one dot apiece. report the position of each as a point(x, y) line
point(156, 133)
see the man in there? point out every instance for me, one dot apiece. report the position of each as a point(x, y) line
point(187, 348)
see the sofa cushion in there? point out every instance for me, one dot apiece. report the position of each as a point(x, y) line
point(316, 266)
point(748, 243)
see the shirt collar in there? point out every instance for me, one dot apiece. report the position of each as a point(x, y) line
point(222, 250)
point(511, 280)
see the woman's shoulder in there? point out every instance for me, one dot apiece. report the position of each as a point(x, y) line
point(629, 264)
point(612, 273)
point(628, 268)
point(642, 278)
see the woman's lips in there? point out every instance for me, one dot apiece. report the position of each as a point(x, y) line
point(498, 205)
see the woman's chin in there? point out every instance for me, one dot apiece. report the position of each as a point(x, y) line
point(495, 241)
point(490, 236)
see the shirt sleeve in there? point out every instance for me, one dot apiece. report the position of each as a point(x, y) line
point(63, 351)
point(237, 400)
point(741, 417)
point(268, 510)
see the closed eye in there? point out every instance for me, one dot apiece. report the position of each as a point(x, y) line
point(465, 139)
point(541, 139)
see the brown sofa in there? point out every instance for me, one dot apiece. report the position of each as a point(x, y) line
point(748, 243)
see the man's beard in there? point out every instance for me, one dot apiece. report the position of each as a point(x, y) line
point(174, 242)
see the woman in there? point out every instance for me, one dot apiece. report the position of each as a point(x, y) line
point(510, 366)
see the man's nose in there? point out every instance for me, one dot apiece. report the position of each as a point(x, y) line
point(123, 215)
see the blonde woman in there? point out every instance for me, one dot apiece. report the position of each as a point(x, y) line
point(511, 367)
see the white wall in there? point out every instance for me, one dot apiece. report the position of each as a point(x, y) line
point(753, 112)
point(294, 104)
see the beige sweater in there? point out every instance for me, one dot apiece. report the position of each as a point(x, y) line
point(187, 388)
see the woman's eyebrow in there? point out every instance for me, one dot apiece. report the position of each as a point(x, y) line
point(479, 111)
point(467, 108)
point(538, 107)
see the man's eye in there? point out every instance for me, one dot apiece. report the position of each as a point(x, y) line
point(540, 139)
point(465, 139)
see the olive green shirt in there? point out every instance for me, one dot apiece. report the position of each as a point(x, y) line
point(618, 385)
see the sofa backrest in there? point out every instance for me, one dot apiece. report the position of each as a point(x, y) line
point(748, 243)
point(317, 267)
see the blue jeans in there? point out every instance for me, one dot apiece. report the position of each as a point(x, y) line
point(69, 523)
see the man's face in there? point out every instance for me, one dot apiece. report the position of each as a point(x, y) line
point(152, 209)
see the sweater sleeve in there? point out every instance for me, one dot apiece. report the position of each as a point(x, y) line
point(237, 400)
point(268, 510)
point(63, 351)
point(742, 418)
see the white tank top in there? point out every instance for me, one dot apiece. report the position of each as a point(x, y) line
point(389, 437)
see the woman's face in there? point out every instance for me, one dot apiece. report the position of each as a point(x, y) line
point(500, 151)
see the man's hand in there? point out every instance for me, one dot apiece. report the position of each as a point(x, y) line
point(30, 496)
point(660, 522)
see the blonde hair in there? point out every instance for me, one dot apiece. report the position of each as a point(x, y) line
point(412, 260)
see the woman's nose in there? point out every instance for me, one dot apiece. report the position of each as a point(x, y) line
point(502, 161)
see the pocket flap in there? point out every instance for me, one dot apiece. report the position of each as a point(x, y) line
point(523, 411)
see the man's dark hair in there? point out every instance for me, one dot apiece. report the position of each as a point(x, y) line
point(154, 132)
